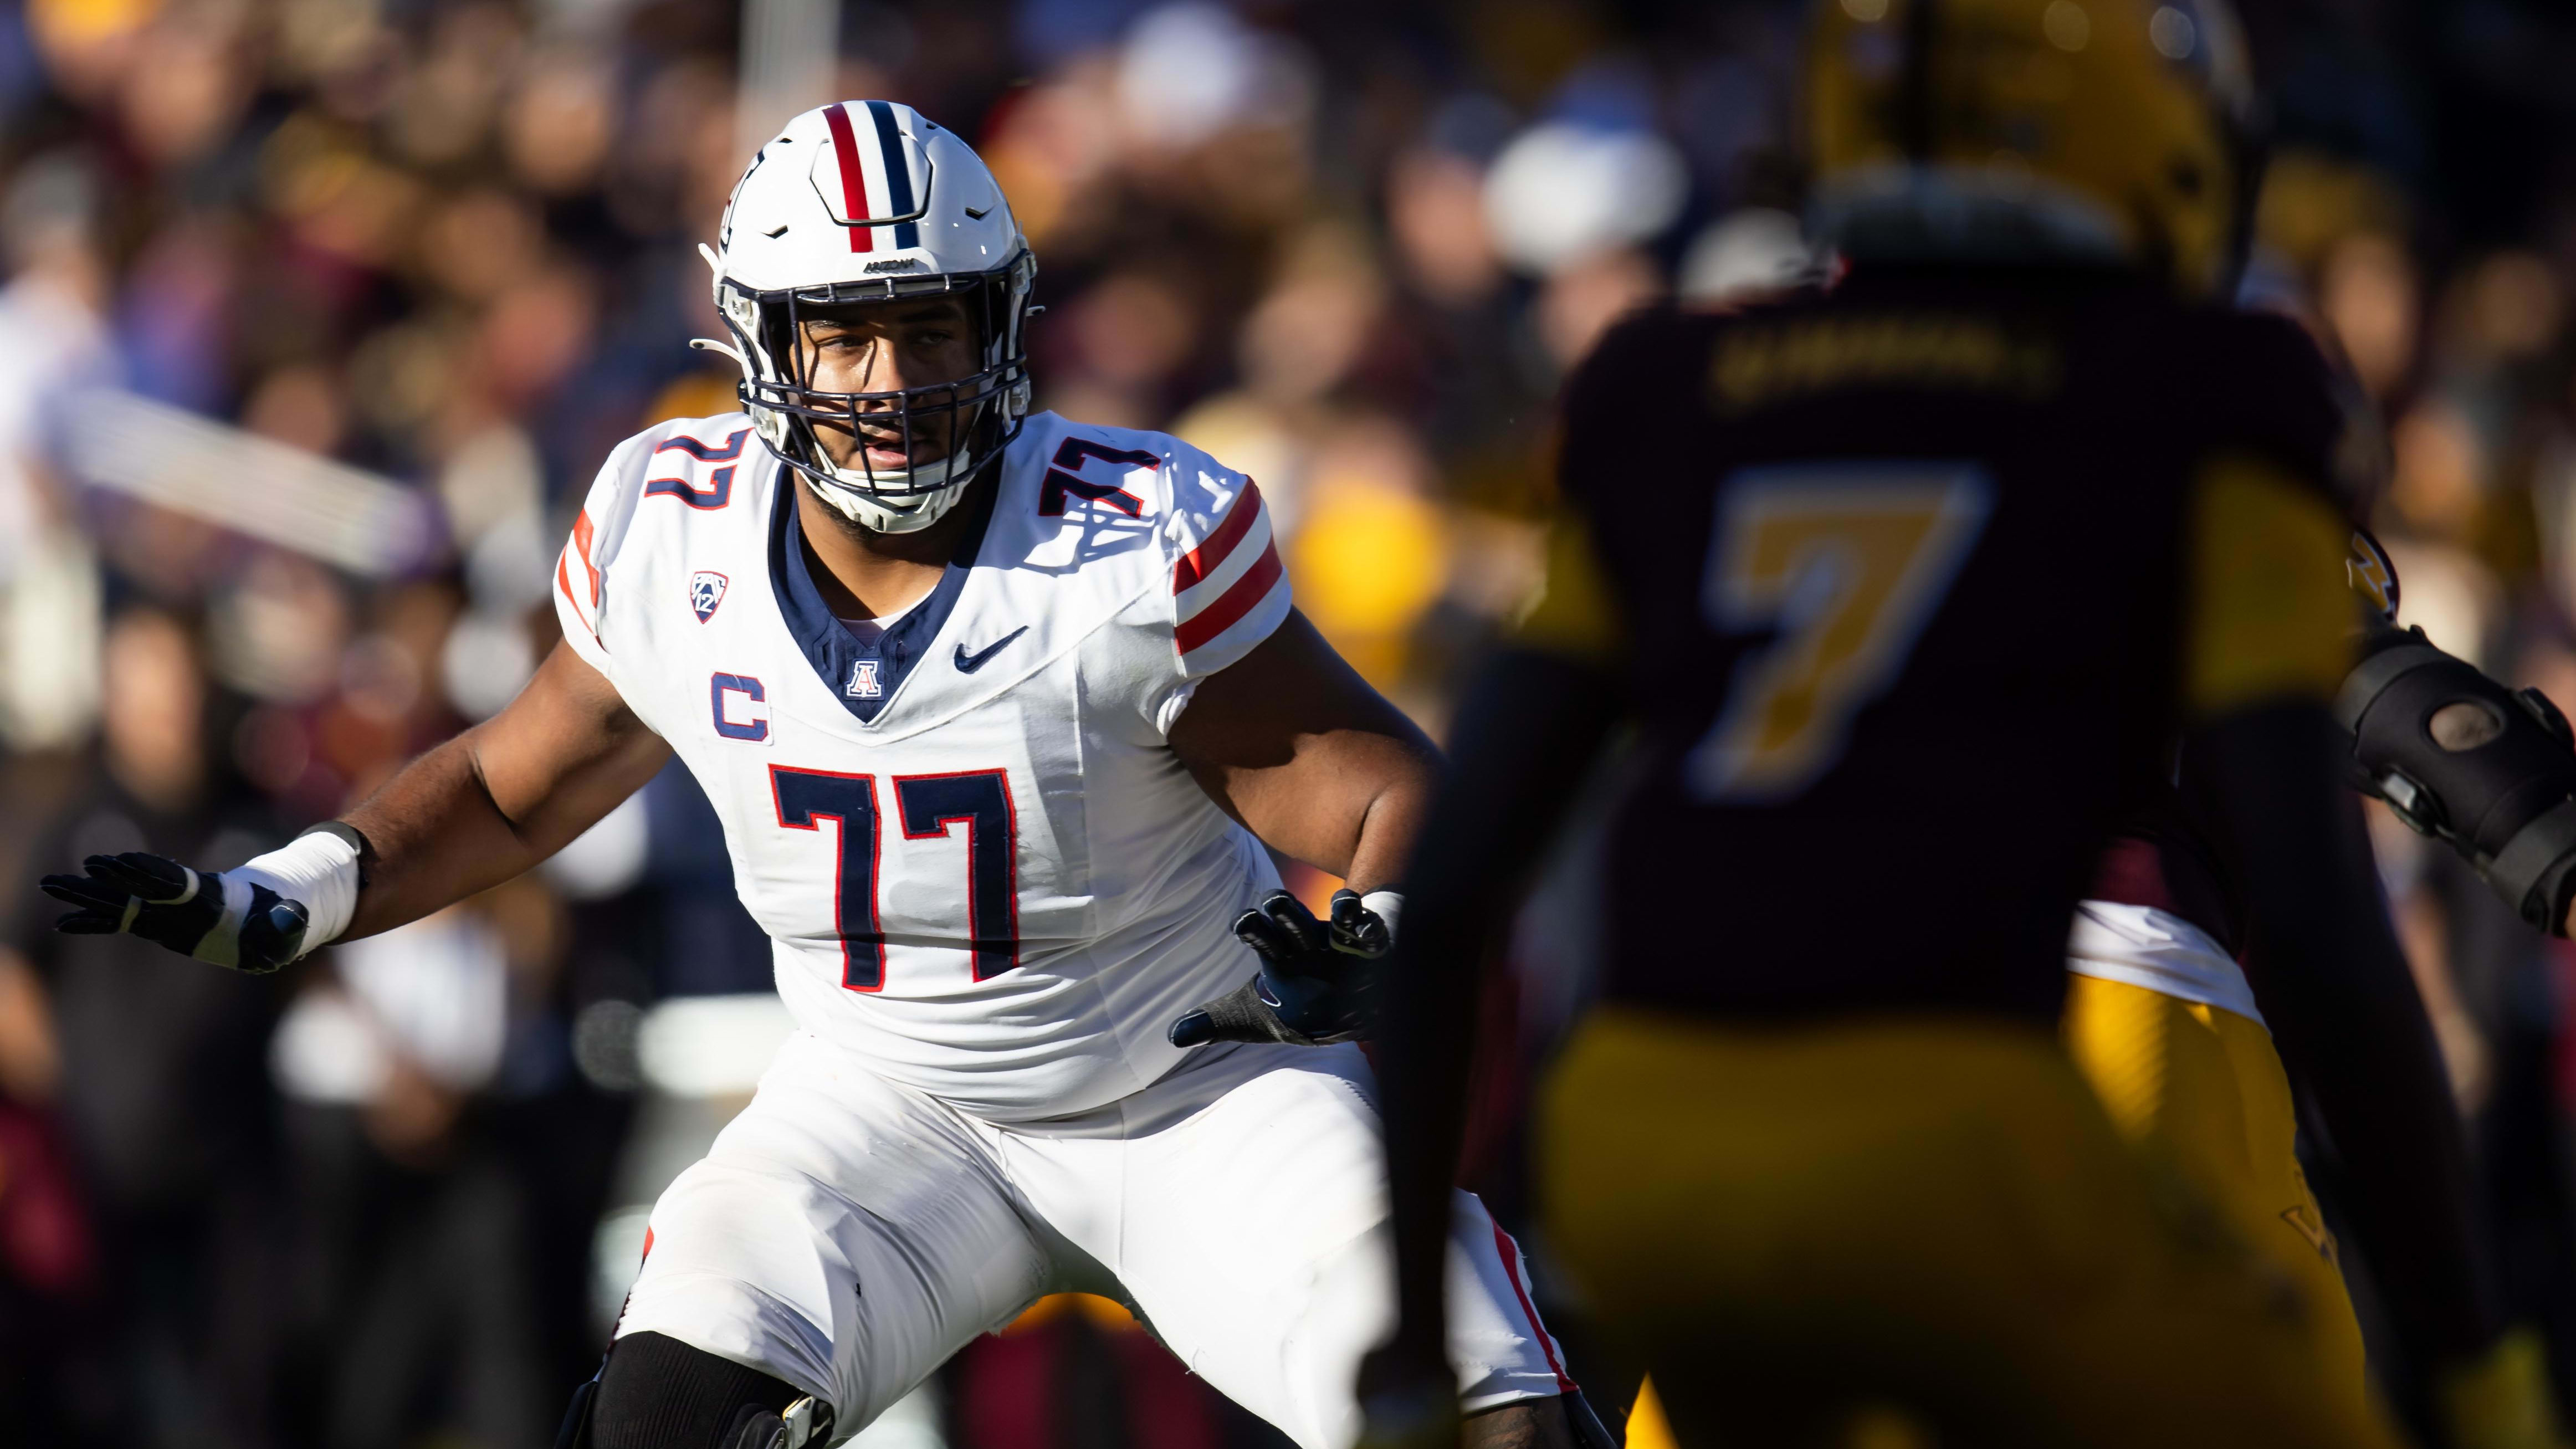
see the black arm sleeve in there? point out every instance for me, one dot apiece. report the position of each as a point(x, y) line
point(2345, 1014)
point(2501, 791)
point(1525, 728)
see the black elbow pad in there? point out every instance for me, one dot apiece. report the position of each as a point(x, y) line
point(2495, 775)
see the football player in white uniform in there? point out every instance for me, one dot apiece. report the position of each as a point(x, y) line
point(999, 711)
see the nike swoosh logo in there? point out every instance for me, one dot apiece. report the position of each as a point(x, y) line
point(969, 663)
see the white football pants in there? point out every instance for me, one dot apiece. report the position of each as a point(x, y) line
point(847, 1235)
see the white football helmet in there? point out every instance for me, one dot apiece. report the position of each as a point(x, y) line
point(866, 201)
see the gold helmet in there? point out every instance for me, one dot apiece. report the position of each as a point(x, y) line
point(2034, 130)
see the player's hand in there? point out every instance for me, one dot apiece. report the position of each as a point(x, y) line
point(219, 919)
point(2501, 1399)
point(1316, 983)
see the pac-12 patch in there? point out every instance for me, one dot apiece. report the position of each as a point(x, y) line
point(706, 590)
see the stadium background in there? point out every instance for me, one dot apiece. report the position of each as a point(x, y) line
point(320, 313)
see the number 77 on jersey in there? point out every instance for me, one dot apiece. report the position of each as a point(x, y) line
point(928, 807)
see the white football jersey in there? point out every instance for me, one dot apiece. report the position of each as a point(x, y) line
point(979, 860)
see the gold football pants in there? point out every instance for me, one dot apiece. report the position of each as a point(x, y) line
point(2199, 1088)
point(1911, 1231)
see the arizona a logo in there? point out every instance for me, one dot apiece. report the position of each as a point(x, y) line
point(706, 590)
point(863, 680)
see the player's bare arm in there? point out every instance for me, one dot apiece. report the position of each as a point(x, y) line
point(504, 795)
point(468, 815)
point(1294, 744)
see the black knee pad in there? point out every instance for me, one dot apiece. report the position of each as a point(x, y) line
point(806, 1425)
point(658, 1393)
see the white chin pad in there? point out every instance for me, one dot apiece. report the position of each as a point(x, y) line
point(947, 476)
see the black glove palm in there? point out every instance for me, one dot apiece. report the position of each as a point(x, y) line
point(1317, 981)
point(225, 922)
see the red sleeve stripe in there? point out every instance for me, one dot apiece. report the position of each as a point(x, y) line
point(1230, 607)
point(581, 545)
point(563, 585)
point(1220, 578)
point(1199, 562)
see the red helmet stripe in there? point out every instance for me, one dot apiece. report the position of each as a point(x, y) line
point(854, 181)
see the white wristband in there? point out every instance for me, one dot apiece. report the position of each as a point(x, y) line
point(319, 871)
point(1387, 905)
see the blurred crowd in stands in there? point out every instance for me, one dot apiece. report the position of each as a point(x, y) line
point(391, 1197)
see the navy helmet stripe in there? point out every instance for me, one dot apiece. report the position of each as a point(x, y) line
point(899, 200)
